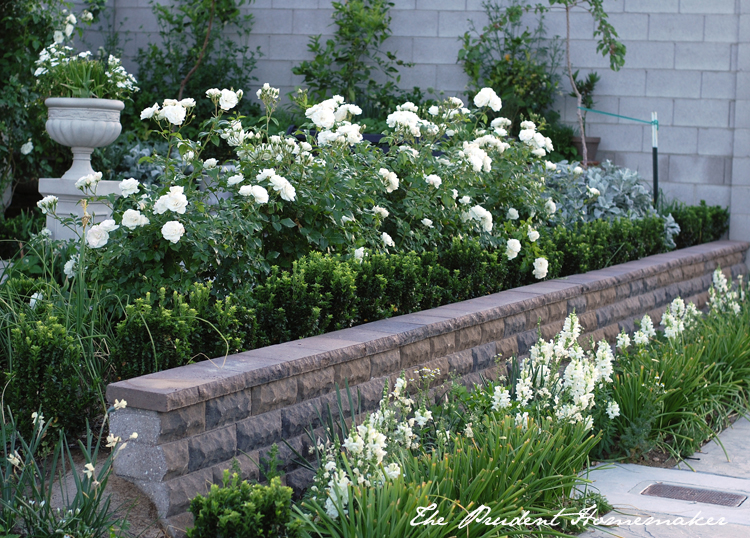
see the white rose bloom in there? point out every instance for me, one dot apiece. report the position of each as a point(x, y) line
point(172, 231)
point(433, 110)
point(526, 135)
point(434, 180)
point(175, 201)
point(500, 123)
point(540, 268)
point(381, 211)
point(550, 166)
point(27, 147)
point(209, 164)
point(97, 236)
point(593, 191)
point(528, 125)
point(108, 225)
point(533, 235)
point(283, 187)
point(390, 178)
point(48, 203)
point(359, 253)
point(454, 193)
point(233, 180)
point(481, 215)
point(188, 102)
point(131, 219)
point(513, 248)
point(322, 114)
point(174, 114)
point(550, 207)
point(170, 102)
point(326, 138)
point(388, 240)
point(70, 267)
point(58, 36)
point(427, 223)
point(578, 170)
point(539, 152)
point(256, 191)
point(129, 186)
point(90, 180)
point(464, 200)
point(450, 132)
point(213, 92)
point(149, 112)
point(87, 16)
point(488, 97)
point(228, 99)
point(512, 214)
point(455, 101)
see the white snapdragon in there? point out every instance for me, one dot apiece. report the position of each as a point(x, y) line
point(35, 297)
point(613, 410)
point(722, 299)
point(623, 341)
point(500, 398)
point(513, 248)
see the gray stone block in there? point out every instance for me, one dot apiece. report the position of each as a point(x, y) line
point(721, 28)
point(715, 142)
point(414, 23)
point(138, 461)
point(297, 419)
point(649, 55)
point(274, 21)
point(299, 480)
point(385, 363)
point(697, 169)
point(182, 423)
point(436, 50)
point(275, 394)
point(673, 84)
point(311, 21)
point(515, 324)
point(671, 28)
point(701, 6)
point(212, 447)
point(649, 6)
point(704, 56)
point(484, 355)
point(258, 431)
point(229, 408)
point(526, 340)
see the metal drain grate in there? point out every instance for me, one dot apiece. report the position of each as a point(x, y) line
point(694, 494)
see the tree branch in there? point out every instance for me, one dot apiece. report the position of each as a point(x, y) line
point(200, 56)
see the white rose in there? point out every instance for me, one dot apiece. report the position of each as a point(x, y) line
point(170, 102)
point(427, 222)
point(512, 214)
point(131, 219)
point(550, 166)
point(433, 110)
point(172, 231)
point(209, 164)
point(388, 240)
point(359, 253)
point(381, 211)
point(488, 97)
point(97, 236)
point(550, 207)
point(213, 92)
point(434, 180)
point(108, 225)
point(129, 186)
point(256, 191)
point(228, 99)
point(464, 200)
point(27, 147)
point(188, 102)
point(513, 248)
point(48, 203)
point(70, 267)
point(58, 36)
point(174, 114)
point(578, 170)
point(540, 268)
point(233, 180)
point(149, 112)
point(283, 187)
point(533, 234)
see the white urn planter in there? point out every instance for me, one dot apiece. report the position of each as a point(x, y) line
point(81, 124)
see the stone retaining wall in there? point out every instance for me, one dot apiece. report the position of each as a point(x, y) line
point(192, 421)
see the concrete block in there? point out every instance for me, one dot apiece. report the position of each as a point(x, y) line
point(742, 115)
point(741, 171)
point(703, 113)
point(622, 137)
point(630, 27)
point(274, 21)
point(139, 461)
point(515, 324)
point(212, 447)
point(577, 305)
point(696, 169)
point(701, 6)
point(146, 424)
point(743, 55)
point(424, 76)
point(674, 140)
point(415, 23)
point(299, 4)
point(584, 51)
point(705, 56)
point(642, 107)
point(507, 347)
point(229, 408)
point(649, 6)
point(452, 24)
point(671, 28)
point(259, 431)
point(288, 47)
point(613, 6)
point(715, 141)
point(741, 143)
point(451, 78)
point(468, 337)
point(402, 47)
point(739, 226)
point(446, 5)
point(404, 4)
point(581, 24)
point(643, 164)
point(436, 50)
point(248, 468)
point(276, 394)
point(678, 191)
point(721, 29)
point(313, 384)
point(526, 340)
point(673, 84)
point(649, 55)
point(312, 22)
point(141, 18)
point(716, 85)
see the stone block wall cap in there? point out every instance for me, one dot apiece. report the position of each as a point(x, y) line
point(180, 387)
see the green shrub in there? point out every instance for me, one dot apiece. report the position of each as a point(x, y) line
point(698, 224)
point(45, 371)
point(243, 510)
point(18, 230)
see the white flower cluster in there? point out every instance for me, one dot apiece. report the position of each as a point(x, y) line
point(571, 398)
point(225, 99)
point(406, 121)
point(278, 183)
point(390, 179)
point(678, 317)
point(722, 299)
point(480, 215)
point(47, 204)
point(117, 75)
point(171, 110)
point(488, 97)
point(647, 331)
point(539, 143)
point(89, 181)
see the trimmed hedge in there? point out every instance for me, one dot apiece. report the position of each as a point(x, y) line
point(323, 293)
point(698, 224)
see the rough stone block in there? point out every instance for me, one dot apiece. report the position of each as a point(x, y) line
point(507, 347)
point(647, 301)
point(608, 296)
point(468, 337)
point(150, 463)
point(637, 287)
point(493, 330)
point(313, 384)
point(515, 324)
point(183, 422)
point(577, 305)
point(355, 372)
point(275, 394)
point(442, 345)
point(526, 340)
point(180, 491)
point(247, 463)
point(672, 291)
point(299, 480)
point(552, 329)
point(611, 332)
point(228, 409)
point(461, 363)
point(211, 447)
point(259, 431)
point(415, 353)
point(557, 311)
point(147, 424)
point(593, 300)
point(627, 325)
point(484, 355)
point(622, 291)
point(385, 363)
point(588, 321)
point(660, 296)
point(535, 318)
point(177, 525)
point(295, 420)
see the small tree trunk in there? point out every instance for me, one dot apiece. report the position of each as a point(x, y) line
point(200, 56)
point(585, 156)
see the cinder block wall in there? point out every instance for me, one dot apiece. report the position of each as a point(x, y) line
point(192, 421)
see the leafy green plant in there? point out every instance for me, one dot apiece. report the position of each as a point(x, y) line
point(349, 63)
point(586, 89)
point(517, 61)
point(244, 510)
point(698, 224)
point(18, 230)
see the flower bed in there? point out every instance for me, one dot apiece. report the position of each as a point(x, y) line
point(193, 420)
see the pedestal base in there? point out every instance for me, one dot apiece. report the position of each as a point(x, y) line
point(68, 203)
